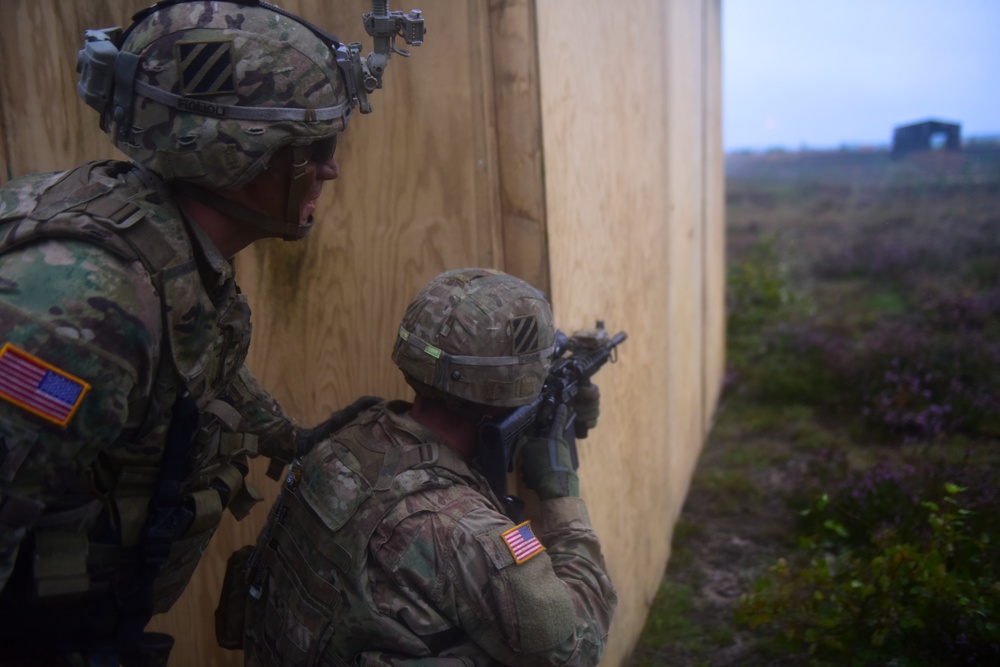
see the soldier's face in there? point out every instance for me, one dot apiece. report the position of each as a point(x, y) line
point(322, 166)
point(268, 192)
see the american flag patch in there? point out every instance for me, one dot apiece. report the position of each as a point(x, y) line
point(38, 387)
point(522, 542)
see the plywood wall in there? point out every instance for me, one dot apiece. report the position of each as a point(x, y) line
point(574, 143)
point(631, 145)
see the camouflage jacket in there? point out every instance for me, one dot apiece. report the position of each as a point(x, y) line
point(384, 549)
point(111, 301)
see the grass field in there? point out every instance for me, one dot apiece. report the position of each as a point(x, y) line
point(844, 510)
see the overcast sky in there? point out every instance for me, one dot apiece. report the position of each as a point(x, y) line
point(825, 73)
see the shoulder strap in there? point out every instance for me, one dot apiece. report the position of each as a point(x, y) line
point(105, 218)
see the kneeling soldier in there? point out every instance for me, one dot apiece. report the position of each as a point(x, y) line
point(388, 547)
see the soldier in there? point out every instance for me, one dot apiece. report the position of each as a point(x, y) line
point(126, 411)
point(387, 546)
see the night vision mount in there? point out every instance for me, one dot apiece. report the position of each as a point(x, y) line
point(384, 26)
point(107, 74)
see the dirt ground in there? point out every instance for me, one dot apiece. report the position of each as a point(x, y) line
point(736, 523)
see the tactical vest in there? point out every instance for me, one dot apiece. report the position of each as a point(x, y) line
point(126, 211)
point(308, 601)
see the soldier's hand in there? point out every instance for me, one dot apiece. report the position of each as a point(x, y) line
point(546, 462)
point(306, 438)
point(587, 404)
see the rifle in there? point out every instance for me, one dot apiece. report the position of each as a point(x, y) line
point(575, 360)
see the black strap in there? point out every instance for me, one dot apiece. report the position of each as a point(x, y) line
point(168, 519)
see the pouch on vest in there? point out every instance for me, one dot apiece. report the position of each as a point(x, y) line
point(230, 615)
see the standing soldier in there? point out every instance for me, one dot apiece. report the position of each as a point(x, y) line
point(126, 411)
point(388, 548)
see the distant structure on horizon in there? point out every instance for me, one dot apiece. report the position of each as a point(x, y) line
point(926, 135)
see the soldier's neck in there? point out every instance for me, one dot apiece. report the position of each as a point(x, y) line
point(227, 234)
point(459, 432)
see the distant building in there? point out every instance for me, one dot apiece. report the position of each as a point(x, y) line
point(926, 135)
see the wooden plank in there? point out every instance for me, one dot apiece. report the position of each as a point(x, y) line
point(606, 124)
point(47, 127)
point(490, 220)
point(686, 187)
point(519, 140)
point(715, 212)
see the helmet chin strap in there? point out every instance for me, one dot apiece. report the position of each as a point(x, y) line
point(297, 187)
point(289, 229)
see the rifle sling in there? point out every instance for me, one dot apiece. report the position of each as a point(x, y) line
point(168, 520)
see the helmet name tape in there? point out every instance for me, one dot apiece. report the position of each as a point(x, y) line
point(206, 68)
point(203, 108)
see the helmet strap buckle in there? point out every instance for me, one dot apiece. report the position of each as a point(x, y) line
point(126, 65)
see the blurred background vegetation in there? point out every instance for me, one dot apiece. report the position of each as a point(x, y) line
point(845, 509)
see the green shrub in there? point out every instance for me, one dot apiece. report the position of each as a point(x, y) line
point(757, 289)
point(769, 352)
point(912, 602)
point(793, 366)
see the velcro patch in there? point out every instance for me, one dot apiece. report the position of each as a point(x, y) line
point(524, 335)
point(39, 387)
point(206, 68)
point(522, 542)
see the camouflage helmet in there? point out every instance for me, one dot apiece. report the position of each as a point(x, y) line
point(478, 335)
point(218, 87)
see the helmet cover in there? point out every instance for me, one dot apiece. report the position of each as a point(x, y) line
point(479, 335)
point(221, 86)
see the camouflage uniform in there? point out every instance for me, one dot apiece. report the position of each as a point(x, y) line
point(384, 548)
point(76, 293)
point(114, 307)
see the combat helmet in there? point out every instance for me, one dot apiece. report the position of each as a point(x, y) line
point(478, 335)
point(203, 93)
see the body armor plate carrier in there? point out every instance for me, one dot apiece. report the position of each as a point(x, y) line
point(121, 208)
